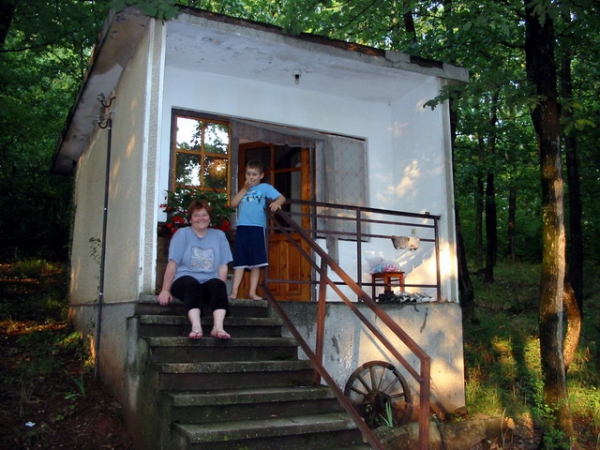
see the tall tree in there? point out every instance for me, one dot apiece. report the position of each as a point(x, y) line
point(575, 247)
point(541, 71)
point(491, 220)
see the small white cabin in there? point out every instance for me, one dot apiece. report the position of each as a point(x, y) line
point(189, 100)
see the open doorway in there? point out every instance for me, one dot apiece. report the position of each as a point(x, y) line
point(287, 168)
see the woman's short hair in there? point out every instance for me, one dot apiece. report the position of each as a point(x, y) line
point(197, 205)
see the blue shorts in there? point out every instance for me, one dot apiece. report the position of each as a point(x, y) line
point(250, 247)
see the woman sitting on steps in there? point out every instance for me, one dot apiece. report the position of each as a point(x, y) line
point(197, 270)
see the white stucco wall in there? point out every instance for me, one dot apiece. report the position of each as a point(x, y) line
point(87, 226)
point(125, 195)
point(423, 168)
point(407, 151)
point(125, 225)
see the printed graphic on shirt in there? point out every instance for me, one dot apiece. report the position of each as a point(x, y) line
point(203, 259)
point(253, 196)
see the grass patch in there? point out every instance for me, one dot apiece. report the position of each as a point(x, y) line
point(33, 289)
point(502, 355)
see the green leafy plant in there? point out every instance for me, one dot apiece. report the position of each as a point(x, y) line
point(177, 202)
point(388, 420)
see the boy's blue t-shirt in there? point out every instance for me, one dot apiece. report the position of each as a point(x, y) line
point(251, 210)
point(199, 257)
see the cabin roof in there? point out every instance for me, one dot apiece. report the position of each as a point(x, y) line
point(202, 41)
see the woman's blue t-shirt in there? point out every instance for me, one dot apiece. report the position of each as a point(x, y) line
point(199, 257)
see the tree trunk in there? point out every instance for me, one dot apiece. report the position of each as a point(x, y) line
point(491, 215)
point(490, 229)
point(512, 224)
point(575, 242)
point(573, 325)
point(409, 22)
point(541, 71)
point(7, 11)
point(479, 198)
point(465, 287)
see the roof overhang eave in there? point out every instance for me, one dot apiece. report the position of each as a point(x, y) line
point(112, 52)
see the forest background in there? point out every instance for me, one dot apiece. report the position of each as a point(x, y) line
point(526, 157)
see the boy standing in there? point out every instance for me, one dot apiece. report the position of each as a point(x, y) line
point(250, 242)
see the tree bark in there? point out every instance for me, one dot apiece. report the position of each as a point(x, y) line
point(7, 11)
point(490, 229)
point(512, 224)
point(479, 198)
point(465, 286)
point(573, 325)
point(575, 254)
point(541, 72)
point(491, 215)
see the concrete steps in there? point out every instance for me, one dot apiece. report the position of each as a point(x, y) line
point(249, 392)
point(307, 431)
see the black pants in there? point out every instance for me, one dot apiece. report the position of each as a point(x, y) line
point(193, 294)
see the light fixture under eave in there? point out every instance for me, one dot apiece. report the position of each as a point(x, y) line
point(297, 74)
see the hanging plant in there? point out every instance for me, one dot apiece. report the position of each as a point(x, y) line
point(177, 202)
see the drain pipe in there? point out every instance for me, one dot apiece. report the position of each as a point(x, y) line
point(104, 122)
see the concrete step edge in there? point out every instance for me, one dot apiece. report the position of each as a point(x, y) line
point(232, 367)
point(264, 428)
point(165, 319)
point(183, 341)
point(248, 396)
point(153, 299)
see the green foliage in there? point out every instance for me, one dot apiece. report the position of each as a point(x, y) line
point(388, 419)
point(159, 9)
point(41, 64)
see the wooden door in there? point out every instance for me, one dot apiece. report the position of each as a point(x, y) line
point(288, 169)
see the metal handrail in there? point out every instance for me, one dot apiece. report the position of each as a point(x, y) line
point(319, 210)
point(423, 378)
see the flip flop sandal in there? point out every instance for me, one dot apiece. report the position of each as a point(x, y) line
point(220, 335)
point(195, 334)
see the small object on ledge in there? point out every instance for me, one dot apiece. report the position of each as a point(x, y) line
point(388, 281)
point(402, 242)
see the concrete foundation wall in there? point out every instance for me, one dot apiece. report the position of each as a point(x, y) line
point(113, 338)
point(436, 327)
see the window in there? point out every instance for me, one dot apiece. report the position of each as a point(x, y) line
point(201, 153)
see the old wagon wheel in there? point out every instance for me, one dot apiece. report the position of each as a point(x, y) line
point(374, 385)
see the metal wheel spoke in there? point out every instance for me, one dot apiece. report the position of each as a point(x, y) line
point(392, 386)
point(365, 383)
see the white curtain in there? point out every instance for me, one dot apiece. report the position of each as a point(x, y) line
point(342, 168)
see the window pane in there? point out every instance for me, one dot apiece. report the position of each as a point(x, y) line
point(188, 170)
point(189, 132)
point(216, 138)
point(215, 173)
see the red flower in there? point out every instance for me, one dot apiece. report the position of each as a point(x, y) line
point(225, 226)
